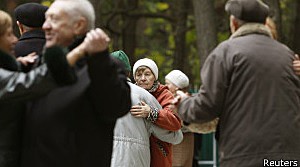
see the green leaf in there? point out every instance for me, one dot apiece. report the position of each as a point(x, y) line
point(162, 6)
point(47, 2)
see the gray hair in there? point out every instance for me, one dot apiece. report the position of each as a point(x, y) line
point(83, 8)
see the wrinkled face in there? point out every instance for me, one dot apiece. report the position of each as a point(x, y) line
point(58, 25)
point(173, 88)
point(144, 77)
point(8, 41)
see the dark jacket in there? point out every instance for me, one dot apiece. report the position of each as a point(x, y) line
point(248, 82)
point(15, 89)
point(73, 125)
point(31, 41)
point(10, 118)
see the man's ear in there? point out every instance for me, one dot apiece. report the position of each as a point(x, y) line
point(21, 28)
point(80, 26)
point(233, 24)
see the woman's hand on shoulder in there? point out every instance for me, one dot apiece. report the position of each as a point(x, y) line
point(140, 111)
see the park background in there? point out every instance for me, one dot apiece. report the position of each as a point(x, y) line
point(177, 34)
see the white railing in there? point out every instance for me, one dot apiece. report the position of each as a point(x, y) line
point(214, 161)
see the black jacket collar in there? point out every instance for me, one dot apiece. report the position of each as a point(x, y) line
point(36, 33)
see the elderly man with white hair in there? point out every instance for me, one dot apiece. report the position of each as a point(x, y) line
point(73, 126)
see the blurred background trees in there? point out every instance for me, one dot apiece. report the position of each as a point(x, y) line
point(177, 34)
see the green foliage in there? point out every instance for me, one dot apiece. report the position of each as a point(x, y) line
point(47, 2)
point(288, 20)
point(155, 34)
point(171, 41)
point(222, 36)
point(158, 44)
point(148, 31)
point(163, 63)
point(191, 37)
point(140, 51)
point(162, 6)
point(193, 59)
point(156, 6)
point(194, 64)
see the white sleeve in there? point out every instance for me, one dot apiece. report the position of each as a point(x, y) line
point(173, 137)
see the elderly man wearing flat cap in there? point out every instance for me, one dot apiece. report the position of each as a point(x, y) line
point(249, 83)
point(30, 18)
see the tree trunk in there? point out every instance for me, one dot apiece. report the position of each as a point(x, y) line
point(205, 27)
point(129, 32)
point(129, 37)
point(3, 6)
point(97, 7)
point(275, 14)
point(10, 6)
point(180, 33)
point(122, 26)
point(297, 29)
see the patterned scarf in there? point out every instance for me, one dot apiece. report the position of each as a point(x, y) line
point(154, 86)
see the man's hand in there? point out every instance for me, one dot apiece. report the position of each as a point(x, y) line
point(29, 59)
point(296, 65)
point(180, 95)
point(95, 41)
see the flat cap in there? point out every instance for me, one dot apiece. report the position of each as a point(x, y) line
point(31, 14)
point(248, 10)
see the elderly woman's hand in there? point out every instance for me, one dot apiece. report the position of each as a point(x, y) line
point(140, 111)
point(296, 65)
